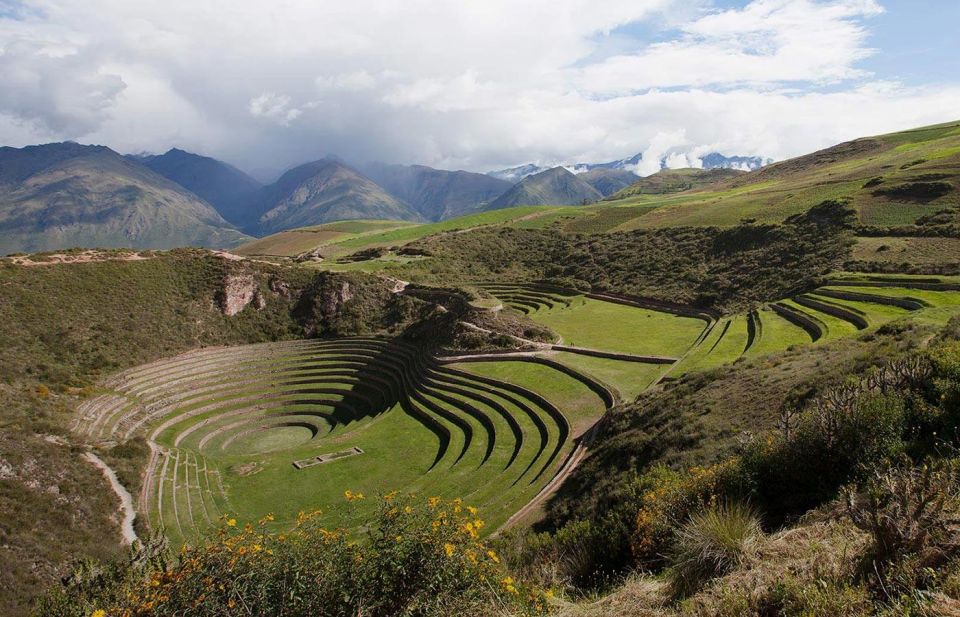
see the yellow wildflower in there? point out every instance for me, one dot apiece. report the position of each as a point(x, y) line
point(493, 556)
point(448, 549)
point(232, 522)
point(99, 613)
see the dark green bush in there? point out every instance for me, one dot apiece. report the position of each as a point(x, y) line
point(831, 446)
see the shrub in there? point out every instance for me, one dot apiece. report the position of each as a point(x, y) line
point(903, 508)
point(421, 557)
point(673, 497)
point(711, 544)
point(831, 445)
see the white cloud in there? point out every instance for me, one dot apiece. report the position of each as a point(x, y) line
point(66, 92)
point(274, 107)
point(769, 41)
point(476, 85)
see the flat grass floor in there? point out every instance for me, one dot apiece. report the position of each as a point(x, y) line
point(596, 324)
point(398, 450)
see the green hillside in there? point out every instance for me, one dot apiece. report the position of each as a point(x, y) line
point(669, 181)
point(891, 180)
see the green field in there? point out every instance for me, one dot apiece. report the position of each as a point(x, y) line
point(614, 327)
point(629, 379)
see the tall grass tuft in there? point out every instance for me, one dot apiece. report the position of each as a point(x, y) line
point(712, 543)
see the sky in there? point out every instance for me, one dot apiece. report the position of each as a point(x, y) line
point(474, 84)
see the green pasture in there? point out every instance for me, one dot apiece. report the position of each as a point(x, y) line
point(608, 326)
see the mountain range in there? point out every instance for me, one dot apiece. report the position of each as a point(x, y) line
point(60, 195)
point(437, 194)
point(714, 160)
point(63, 195)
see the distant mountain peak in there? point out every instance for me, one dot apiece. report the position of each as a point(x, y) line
point(220, 184)
point(554, 186)
point(714, 160)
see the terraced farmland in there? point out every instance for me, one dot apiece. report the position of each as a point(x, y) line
point(630, 344)
point(283, 427)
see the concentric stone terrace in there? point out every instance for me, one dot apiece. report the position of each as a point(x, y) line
point(230, 429)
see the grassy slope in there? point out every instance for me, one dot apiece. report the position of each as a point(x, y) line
point(790, 187)
point(60, 328)
point(358, 235)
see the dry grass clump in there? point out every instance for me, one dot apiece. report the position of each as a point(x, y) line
point(712, 543)
point(801, 571)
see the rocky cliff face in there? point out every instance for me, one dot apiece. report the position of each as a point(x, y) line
point(238, 292)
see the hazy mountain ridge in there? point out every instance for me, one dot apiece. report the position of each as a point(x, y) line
point(61, 195)
point(557, 186)
point(714, 160)
point(608, 181)
point(437, 194)
point(321, 192)
point(223, 186)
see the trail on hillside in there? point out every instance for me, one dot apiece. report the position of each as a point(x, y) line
point(126, 500)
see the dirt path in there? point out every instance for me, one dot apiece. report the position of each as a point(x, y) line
point(573, 461)
point(77, 258)
point(126, 500)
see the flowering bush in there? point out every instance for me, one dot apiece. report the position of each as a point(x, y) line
point(671, 498)
point(418, 557)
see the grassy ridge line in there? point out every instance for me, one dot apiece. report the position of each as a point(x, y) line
point(844, 171)
point(293, 242)
point(407, 234)
point(346, 237)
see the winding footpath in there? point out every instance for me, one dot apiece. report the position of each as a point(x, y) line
point(126, 500)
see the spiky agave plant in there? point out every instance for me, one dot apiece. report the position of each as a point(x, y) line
point(711, 543)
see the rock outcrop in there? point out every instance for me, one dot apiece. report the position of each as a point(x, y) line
point(238, 292)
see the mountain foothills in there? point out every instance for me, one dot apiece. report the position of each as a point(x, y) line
point(702, 393)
